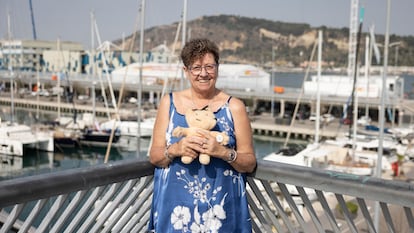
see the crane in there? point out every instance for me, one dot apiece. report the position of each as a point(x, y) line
point(353, 30)
point(33, 22)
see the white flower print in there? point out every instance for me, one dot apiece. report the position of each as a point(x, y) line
point(237, 178)
point(210, 220)
point(198, 188)
point(180, 217)
point(197, 226)
point(213, 217)
point(225, 124)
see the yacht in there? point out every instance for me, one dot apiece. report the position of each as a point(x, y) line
point(130, 128)
point(15, 138)
point(342, 156)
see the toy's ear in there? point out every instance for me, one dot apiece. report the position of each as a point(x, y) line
point(210, 119)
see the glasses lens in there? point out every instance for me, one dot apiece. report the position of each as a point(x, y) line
point(210, 68)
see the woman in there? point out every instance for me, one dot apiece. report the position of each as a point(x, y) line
point(195, 197)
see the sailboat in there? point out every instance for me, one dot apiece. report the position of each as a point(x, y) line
point(66, 131)
point(90, 132)
point(337, 155)
point(15, 138)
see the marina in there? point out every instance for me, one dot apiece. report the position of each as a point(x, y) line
point(99, 179)
point(269, 138)
point(271, 113)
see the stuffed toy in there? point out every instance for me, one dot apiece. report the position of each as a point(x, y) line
point(200, 119)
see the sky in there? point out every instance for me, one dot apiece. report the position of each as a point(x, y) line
point(70, 20)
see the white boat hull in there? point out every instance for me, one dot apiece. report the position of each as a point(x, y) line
point(14, 138)
point(130, 128)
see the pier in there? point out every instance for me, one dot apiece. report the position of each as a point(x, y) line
point(303, 130)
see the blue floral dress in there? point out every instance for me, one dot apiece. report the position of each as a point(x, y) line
point(200, 198)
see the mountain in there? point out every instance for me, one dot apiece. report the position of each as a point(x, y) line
point(250, 40)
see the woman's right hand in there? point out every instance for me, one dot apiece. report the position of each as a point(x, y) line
point(191, 146)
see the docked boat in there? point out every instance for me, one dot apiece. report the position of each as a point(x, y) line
point(357, 157)
point(64, 138)
point(323, 157)
point(130, 128)
point(68, 131)
point(15, 138)
point(99, 138)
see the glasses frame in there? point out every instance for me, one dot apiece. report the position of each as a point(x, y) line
point(195, 73)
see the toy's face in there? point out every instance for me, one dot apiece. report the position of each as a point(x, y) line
point(204, 119)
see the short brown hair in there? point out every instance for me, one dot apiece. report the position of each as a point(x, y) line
point(196, 49)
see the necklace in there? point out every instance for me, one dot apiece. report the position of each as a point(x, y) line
point(209, 101)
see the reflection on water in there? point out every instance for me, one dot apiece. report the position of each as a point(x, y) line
point(265, 145)
point(32, 161)
point(10, 164)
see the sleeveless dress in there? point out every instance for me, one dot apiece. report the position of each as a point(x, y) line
point(200, 198)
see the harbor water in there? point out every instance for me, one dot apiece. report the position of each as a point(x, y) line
point(38, 162)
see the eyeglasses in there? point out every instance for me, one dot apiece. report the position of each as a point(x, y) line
point(196, 70)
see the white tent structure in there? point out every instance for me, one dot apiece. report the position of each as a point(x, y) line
point(336, 85)
point(151, 73)
point(243, 77)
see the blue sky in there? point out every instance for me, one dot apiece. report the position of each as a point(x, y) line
point(70, 20)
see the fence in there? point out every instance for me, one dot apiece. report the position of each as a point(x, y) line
point(115, 197)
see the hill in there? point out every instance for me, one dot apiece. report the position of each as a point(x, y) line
point(251, 40)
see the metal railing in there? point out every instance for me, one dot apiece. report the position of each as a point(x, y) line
point(116, 197)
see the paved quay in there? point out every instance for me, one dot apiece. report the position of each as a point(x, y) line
point(267, 125)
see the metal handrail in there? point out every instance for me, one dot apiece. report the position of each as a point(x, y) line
point(115, 197)
point(367, 187)
point(25, 189)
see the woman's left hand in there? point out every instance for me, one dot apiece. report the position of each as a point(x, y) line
point(210, 145)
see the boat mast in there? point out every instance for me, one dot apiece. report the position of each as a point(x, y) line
point(368, 50)
point(10, 67)
point(93, 68)
point(59, 65)
point(382, 109)
point(353, 109)
point(141, 62)
point(318, 93)
point(183, 39)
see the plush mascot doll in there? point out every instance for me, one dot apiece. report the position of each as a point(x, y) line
point(200, 119)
